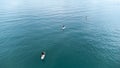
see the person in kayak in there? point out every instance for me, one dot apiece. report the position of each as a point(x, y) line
point(63, 27)
point(42, 55)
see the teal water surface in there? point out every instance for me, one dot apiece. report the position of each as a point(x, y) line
point(91, 38)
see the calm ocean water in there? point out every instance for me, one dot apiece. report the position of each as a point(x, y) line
point(91, 38)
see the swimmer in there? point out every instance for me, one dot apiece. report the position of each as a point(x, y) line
point(86, 17)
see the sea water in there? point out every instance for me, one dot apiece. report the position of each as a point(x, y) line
point(91, 38)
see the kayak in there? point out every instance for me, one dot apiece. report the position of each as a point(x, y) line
point(42, 57)
point(63, 28)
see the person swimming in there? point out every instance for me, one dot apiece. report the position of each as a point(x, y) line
point(86, 17)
